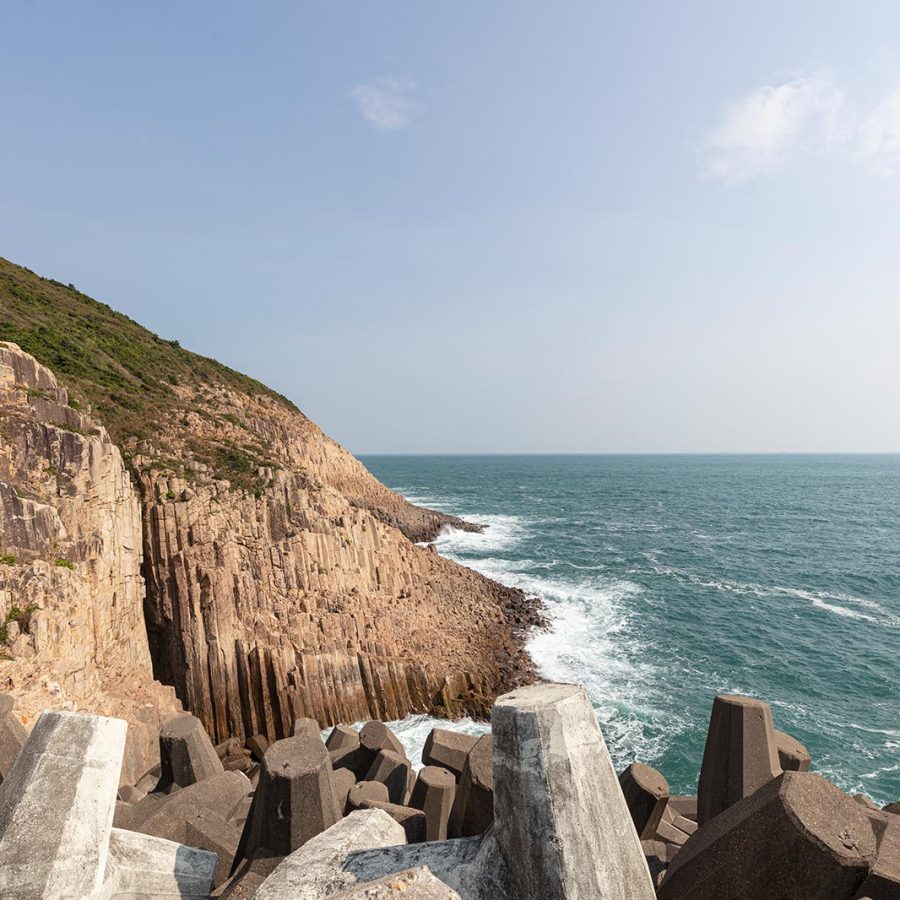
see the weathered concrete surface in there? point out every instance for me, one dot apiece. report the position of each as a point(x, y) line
point(342, 781)
point(646, 792)
point(740, 754)
point(413, 820)
point(392, 770)
point(883, 882)
point(448, 749)
point(56, 807)
point(342, 737)
point(797, 838)
point(320, 867)
point(433, 793)
point(413, 884)
point(141, 866)
point(792, 755)
point(294, 800)
point(560, 818)
point(473, 805)
point(186, 753)
point(221, 838)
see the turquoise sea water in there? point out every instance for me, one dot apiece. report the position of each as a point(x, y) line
point(669, 579)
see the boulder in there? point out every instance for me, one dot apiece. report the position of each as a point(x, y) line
point(141, 866)
point(740, 755)
point(323, 865)
point(186, 754)
point(792, 755)
point(473, 805)
point(306, 728)
point(364, 791)
point(646, 794)
point(392, 770)
point(448, 749)
point(343, 781)
point(12, 736)
point(56, 807)
point(413, 884)
point(342, 737)
point(433, 793)
point(796, 838)
point(560, 817)
point(294, 801)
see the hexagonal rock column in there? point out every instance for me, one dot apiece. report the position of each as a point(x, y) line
point(473, 806)
point(294, 800)
point(646, 793)
point(448, 749)
point(740, 755)
point(373, 737)
point(56, 807)
point(561, 820)
point(792, 755)
point(433, 793)
point(12, 736)
point(796, 838)
point(186, 754)
point(392, 770)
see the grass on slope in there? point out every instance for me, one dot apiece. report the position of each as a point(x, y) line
point(124, 371)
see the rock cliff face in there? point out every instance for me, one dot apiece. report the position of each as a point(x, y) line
point(297, 598)
point(71, 593)
point(280, 579)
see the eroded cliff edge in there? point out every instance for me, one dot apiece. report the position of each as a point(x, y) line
point(281, 578)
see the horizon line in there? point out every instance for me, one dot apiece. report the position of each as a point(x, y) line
point(630, 453)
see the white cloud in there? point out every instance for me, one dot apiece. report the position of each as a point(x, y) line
point(771, 126)
point(878, 137)
point(387, 104)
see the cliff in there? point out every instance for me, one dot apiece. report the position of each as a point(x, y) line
point(282, 579)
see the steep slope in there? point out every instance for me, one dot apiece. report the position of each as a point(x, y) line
point(282, 578)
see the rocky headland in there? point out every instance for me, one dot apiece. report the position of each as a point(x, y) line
point(174, 534)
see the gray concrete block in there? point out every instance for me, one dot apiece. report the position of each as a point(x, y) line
point(448, 749)
point(324, 864)
point(56, 807)
point(186, 754)
point(413, 884)
point(433, 793)
point(342, 737)
point(141, 866)
point(473, 805)
point(392, 770)
point(560, 818)
point(647, 794)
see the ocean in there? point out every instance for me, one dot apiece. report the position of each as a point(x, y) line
point(670, 579)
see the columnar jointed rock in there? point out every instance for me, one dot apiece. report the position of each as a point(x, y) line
point(740, 755)
point(792, 755)
point(473, 806)
point(796, 838)
point(448, 749)
point(561, 821)
point(433, 793)
point(56, 807)
point(12, 736)
point(186, 753)
point(294, 800)
point(392, 770)
point(141, 866)
point(646, 793)
point(320, 867)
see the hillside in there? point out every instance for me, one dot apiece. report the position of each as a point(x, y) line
point(280, 577)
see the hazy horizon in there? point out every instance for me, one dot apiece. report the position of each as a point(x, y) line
point(487, 228)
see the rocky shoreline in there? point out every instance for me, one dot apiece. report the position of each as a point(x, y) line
point(531, 810)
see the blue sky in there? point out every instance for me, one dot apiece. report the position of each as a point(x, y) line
point(484, 226)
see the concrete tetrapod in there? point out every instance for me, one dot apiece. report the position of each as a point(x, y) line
point(186, 753)
point(560, 818)
point(56, 807)
point(740, 754)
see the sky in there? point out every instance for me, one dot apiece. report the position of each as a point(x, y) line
point(484, 226)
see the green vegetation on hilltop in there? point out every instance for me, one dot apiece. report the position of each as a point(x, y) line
point(127, 373)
